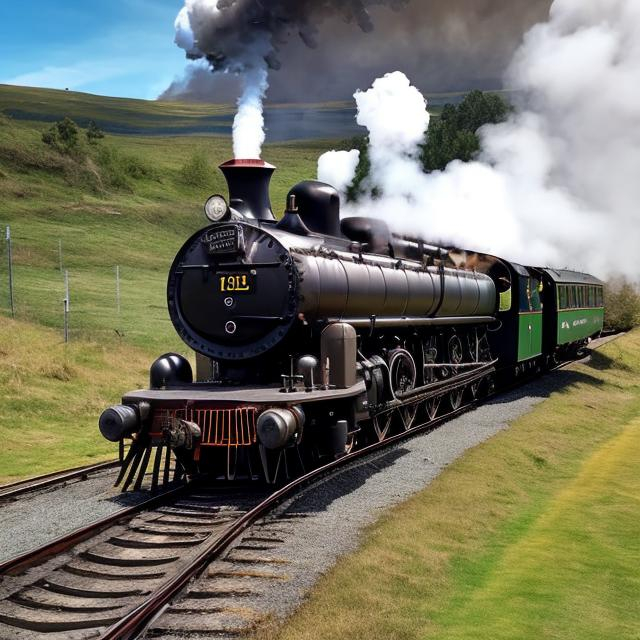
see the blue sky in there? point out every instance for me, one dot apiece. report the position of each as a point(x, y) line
point(109, 47)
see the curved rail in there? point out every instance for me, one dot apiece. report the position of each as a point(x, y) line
point(135, 622)
point(30, 558)
point(132, 622)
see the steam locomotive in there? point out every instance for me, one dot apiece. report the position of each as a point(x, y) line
point(314, 335)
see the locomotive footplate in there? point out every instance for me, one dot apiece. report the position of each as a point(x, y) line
point(200, 393)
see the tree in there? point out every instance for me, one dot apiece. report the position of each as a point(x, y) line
point(622, 305)
point(63, 136)
point(453, 136)
point(94, 133)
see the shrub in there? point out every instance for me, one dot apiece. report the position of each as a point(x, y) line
point(111, 169)
point(622, 305)
point(63, 136)
point(196, 171)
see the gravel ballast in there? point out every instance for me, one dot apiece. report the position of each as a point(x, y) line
point(42, 516)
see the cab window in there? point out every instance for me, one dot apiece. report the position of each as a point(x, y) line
point(534, 298)
point(524, 295)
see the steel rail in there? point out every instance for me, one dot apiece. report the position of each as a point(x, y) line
point(16, 489)
point(38, 555)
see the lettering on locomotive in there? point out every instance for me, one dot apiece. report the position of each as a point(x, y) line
point(225, 240)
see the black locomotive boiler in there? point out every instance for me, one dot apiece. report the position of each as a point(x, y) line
point(314, 335)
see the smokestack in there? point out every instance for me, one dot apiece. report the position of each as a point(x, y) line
point(248, 182)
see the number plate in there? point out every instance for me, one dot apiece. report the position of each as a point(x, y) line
point(236, 283)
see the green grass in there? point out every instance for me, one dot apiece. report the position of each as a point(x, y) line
point(52, 395)
point(50, 104)
point(533, 534)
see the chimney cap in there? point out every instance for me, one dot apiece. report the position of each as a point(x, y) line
point(247, 162)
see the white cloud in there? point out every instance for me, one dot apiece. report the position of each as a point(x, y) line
point(74, 76)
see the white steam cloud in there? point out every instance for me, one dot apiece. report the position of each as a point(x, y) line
point(558, 183)
point(338, 168)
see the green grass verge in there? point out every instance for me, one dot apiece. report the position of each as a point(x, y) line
point(52, 395)
point(533, 534)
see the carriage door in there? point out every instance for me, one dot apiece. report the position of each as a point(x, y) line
point(530, 320)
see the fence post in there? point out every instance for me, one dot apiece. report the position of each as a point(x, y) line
point(118, 289)
point(66, 306)
point(10, 260)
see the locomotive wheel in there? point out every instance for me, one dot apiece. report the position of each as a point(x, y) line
point(351, 443)
point(456, 353)
point(474, 389)
point(407, 416)
point(403, 374)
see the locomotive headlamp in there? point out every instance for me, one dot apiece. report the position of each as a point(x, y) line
point(216, 208)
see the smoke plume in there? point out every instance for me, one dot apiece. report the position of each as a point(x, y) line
point(441, 44)
point(558, 182)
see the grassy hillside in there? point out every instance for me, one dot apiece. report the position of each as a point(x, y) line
point(121, 115)
point(533, 534)
point(123, 202)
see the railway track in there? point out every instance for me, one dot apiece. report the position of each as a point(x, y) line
point(18, 489)
point(110, 579)
point(117, 578)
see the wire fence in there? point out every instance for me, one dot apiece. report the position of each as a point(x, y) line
point(82, 299)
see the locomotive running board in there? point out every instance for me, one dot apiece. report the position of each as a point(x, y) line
point(443, 386)
point(381, 323)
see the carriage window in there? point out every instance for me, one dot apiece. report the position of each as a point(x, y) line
point(572, 297)
point(592, 296)
point(600, 296)
point(562, 297)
